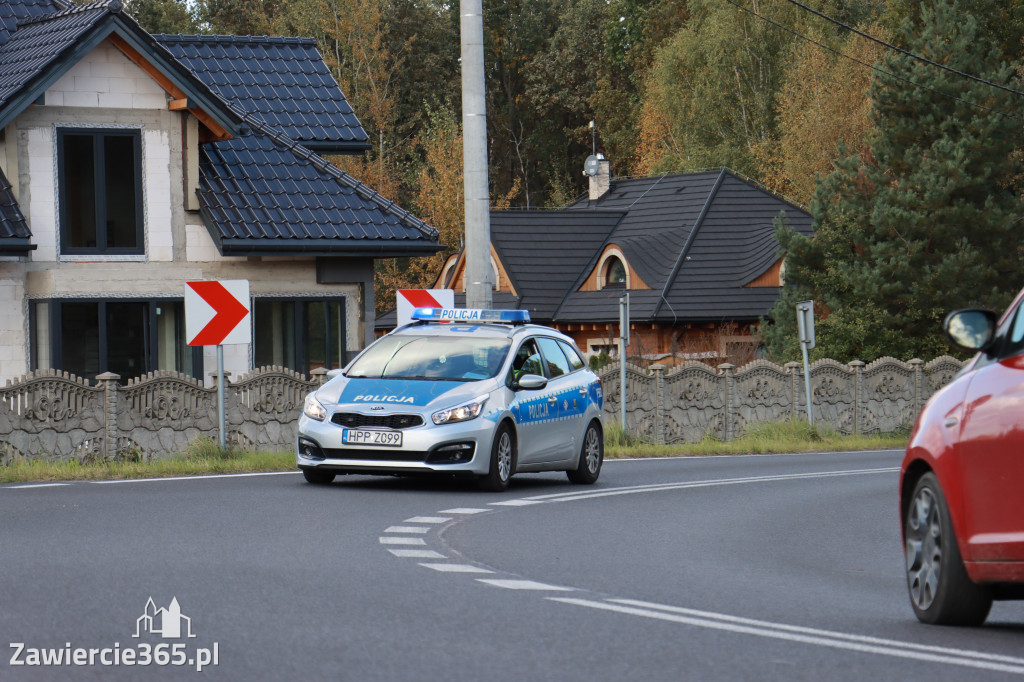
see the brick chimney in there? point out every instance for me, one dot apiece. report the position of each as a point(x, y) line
point(601, 181)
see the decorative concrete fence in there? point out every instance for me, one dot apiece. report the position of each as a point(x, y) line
point(55, 415)
point(694, 400)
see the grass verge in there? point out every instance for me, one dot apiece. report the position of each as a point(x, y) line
point(203, 456)
point(779, 437)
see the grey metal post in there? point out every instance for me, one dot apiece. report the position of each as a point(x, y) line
point(623, 343)
point(221, 440)
point(807, 386)
point(474, 157)
point(805, 330)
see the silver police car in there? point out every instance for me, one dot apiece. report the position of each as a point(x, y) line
point(458, 391)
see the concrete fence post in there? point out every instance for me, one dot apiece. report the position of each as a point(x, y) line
point(726, 369)
point(319, 375)
point(858, 388)
point(109, 382)
point(794, 395)
point(659, 403)
point(917, 363)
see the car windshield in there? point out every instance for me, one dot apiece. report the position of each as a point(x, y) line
point(438, 358)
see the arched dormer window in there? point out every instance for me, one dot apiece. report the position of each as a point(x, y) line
point(614, 273)
point(612, 270)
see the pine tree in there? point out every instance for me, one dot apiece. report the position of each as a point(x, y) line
point(925, 223)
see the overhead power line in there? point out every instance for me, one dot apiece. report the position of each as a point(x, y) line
point(901, 50)
point(877, 69)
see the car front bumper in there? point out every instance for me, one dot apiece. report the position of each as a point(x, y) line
point(462, 447)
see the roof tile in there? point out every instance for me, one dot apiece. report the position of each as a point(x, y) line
point(296, 94)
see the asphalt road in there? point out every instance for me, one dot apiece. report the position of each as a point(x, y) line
point(733, 568)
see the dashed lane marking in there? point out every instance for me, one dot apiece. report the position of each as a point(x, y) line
point(407, 529)
point(428, 519)
point(417, 553)
point(524, 585)
point(457, 568)
point(463, 510)
point(385, 540)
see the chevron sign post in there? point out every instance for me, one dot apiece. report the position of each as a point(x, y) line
point(409, 300)
point(217, 312)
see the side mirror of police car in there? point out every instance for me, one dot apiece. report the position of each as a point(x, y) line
point(531, 382)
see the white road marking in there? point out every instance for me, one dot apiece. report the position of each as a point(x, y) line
point(814, 631)
point(659, 487)
point(524, 585)
point(463, 510)
point(515, 503)
point(385, 540)
point(417, 553)
point(36, 485)
point(457, 568)
point(826, 638)
point(428, 519)
point(407, 529)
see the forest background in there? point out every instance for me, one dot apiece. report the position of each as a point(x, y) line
point(769, 88)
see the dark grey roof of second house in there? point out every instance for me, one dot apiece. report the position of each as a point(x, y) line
point(295, 92)
point(697, 239)
point(544, 251)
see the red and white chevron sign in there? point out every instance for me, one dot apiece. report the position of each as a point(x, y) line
point(410, 299)
point(217, 312)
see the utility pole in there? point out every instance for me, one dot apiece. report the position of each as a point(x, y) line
point(474, 157)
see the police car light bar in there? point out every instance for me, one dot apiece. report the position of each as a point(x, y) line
point(471, 315)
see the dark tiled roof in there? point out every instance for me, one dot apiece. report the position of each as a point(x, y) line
point(293, 90)
point(13, 11)
point(664, 205)
point(264, 193)
point(14, 232)
point(260, 194)
point(696, 239)
point(37, 44)
point(545, 251)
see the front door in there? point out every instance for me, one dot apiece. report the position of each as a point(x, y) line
point(535, 411)
point(992, 451)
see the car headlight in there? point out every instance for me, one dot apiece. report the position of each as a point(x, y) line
point(461, 413)
point(313, 409)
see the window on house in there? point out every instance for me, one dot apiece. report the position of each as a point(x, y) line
point(100, 191)
point(300, 334)
point(127, 337)
point(614, 273)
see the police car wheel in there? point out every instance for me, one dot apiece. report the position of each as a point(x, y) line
point(503, 461)
point(591, 457)
point(317, 477)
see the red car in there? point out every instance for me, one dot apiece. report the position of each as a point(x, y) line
point(962, 479)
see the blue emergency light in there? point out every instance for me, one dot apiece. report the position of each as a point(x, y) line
point(477, 315)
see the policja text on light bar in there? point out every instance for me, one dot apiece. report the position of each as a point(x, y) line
point(471, 315)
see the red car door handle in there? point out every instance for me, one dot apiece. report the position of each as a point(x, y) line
point(951, 421)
